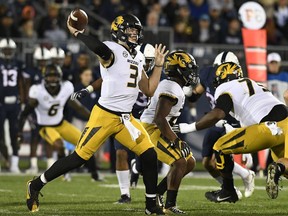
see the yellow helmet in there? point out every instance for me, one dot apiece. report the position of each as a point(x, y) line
point(181, 64)
point(227, 72)
point(121, 23)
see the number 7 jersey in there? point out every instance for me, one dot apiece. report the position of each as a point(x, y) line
point(251, 101)
point(49, 110)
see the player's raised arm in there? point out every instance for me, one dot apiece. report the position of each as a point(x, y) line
point(103, 52)
point(149, 85)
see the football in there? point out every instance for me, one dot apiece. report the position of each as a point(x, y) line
point(78, 19)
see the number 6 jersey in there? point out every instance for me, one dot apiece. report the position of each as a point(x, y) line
point(49, 110)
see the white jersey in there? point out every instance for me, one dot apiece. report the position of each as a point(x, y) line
point(168, 88)
point(120, 88)
point(50, 108)
point(251, 101)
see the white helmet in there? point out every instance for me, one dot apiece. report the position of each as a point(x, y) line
point(7, 43)
point(8, 48)
point(224, 57)
point(42, 53)
point(149, 52)
point(57, 52)
point(147, 49)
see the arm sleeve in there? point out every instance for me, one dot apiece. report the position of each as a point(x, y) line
point(225, 103)
point(96, 46)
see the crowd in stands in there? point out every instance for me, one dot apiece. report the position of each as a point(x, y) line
point(193, 21)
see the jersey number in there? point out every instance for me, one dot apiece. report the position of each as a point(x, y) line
point(133, 75)
point(9, 78)
point(53, 110)
point(250, 86)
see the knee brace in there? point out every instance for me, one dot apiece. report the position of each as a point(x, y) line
point(224, 162)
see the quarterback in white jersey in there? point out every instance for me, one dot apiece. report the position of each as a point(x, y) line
point(162, 112)
point(123, 76)
point(265, 120)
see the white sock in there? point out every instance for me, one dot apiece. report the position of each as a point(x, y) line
point(241, 171)
point(43, 179)
point(50, 162)
point(33, 162)
point(14, 161)
point(124, 181)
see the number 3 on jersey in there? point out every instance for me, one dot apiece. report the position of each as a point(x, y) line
point(133, 75)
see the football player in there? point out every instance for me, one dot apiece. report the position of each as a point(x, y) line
point(162, 113)
point(264, 125)
point(12, 96)
point(123, 75)
point(48, 100)
point(207, 76)
point(41, 58)
point(122, 153)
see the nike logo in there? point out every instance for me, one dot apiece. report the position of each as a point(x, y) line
point(222, 199)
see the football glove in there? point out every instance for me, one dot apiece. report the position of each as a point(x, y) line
point(79, 94)
point(184, 127)
point(181, 147)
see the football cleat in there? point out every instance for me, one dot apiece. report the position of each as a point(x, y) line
point(156, 210)
point(249, 184)
point(125, 199)
point(239, 194)
point(160, 200)
point(222, 196)
point(273, 176)
point(174, 210)
point(32, 200)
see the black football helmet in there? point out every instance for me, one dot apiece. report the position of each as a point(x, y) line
point(183, 65)
point(226, 72)
point(119, 26)
point(52, 74)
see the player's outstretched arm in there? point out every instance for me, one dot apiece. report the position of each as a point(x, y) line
point(78, 107)
point(103, 52)
point(96, 85)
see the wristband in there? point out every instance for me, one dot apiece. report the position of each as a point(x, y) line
point(192, 127)
point(158, 65)
point(90, 88)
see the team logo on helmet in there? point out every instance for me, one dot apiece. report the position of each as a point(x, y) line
point(227, 72)
point(118, 21)
point(181, 59)
point(182, 64)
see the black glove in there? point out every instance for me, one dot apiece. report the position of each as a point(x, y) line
point(79, 94)
point(181, 146)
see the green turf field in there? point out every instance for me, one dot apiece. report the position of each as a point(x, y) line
point(83, 197)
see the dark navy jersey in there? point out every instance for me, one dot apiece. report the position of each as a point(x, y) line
point(11, 73)
point(207, 76)
point(34, 75)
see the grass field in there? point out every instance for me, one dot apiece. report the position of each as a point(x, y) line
point(83, 197)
